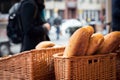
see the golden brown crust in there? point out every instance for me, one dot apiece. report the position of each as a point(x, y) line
point(111, 41)
point(78, 42)
point(45, 44)
point(89, 29)
point(95, 42)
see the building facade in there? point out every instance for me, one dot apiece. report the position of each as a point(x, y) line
point(80, 9)
point(67, 9)
point(90, 9)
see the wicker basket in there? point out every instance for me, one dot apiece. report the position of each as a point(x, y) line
point(118, 63)
point(98, 67)
point(30, 65)
point(118, 66)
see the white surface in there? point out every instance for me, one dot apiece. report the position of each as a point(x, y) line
point(70, 23)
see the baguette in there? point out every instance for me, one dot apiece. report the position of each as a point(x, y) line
point(111, 42)
point(95, 42)
point(78, 42)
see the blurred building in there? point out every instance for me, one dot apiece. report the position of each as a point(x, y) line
point(67, 9)
point(89, 9)
point(81, 9)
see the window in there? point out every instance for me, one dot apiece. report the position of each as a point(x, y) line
point(61, 13)
point(51, 13)
point(98, 1)
point(58, 0)
point(81, 1)
point(49, 0)
point(91, 1)
point(103, 1)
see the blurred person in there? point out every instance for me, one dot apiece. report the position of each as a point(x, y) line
point(34, 27)
point(57, 23)
point(115, 15)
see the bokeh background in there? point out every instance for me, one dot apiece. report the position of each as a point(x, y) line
point(72, 14)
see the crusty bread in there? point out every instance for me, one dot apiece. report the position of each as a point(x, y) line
point(78, 42)
point(89, 29)
point(111, 42)
point(45, 44)
point(95, 42)
point(58, 46)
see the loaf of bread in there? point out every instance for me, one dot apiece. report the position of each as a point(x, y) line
point(58, 46)
point(45, 44)
point(111, 42)
point(78, 42)
point(95, 42)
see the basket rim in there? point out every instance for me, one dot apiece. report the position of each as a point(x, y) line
point(59, 55)
point(12, 56)
point(47, 48)
point(27, 52)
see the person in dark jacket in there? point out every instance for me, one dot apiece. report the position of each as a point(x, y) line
point(116, 15)
point(33, 23)
point(57, 23)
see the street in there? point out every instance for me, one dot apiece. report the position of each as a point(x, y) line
point(15, 48)
point(62, 41)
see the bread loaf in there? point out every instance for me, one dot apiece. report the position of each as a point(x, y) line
point(58, 46)
point(78, 42)
point(111, 42)
point(95, 42)
point(45, 44)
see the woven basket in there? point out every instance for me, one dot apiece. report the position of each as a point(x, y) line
point(118, 66)
point(30, 65)
point(98, 67)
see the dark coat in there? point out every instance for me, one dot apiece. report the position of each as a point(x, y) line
point(33, 31)
point(116, 15)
